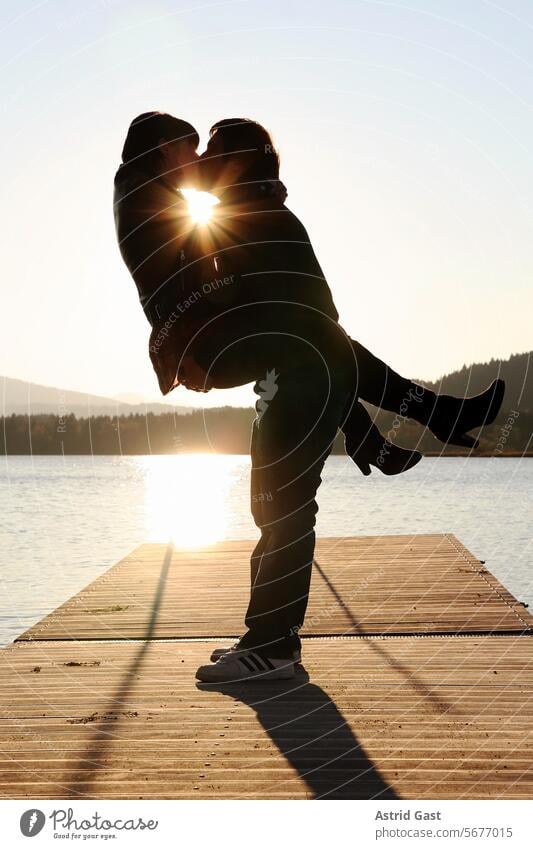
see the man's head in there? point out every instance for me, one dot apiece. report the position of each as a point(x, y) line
point(239, 152)
point(160, 145)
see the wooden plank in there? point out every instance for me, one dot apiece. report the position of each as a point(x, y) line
point(396, 717)
point(363, 585)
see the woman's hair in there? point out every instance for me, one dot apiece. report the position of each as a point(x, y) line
point(250, 143)
point(145, 132)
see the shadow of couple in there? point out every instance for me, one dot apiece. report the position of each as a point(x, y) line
point(312, 735)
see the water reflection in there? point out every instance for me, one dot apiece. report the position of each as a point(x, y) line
point(66, 520)
point(187, 497)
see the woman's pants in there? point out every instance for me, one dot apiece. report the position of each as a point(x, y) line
point(372, 379)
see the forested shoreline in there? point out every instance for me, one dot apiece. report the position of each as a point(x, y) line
point(223, 430)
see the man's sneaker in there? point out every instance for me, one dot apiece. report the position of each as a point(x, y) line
point(218, 653)
point(245, 665)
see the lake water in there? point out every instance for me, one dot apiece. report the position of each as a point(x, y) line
point(66, 520)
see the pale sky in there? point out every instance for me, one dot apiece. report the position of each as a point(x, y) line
point(405, 134)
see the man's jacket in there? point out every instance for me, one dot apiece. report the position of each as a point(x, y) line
point(278, 309)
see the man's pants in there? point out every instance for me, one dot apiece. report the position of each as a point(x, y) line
point(298, 414)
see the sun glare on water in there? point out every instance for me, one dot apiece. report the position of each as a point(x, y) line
point(200, 205)
point(187, 498)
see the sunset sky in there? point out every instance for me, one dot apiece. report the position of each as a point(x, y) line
point(405, 132)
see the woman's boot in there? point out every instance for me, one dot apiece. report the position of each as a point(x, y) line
point(367, 447)
point(450, 418)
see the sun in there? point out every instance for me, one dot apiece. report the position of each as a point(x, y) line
point(200, 205)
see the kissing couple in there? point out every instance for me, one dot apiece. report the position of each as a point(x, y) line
point(242, 299)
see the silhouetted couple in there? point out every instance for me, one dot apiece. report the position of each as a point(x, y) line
point(243, 299)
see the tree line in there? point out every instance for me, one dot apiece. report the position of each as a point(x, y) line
point(223, 430)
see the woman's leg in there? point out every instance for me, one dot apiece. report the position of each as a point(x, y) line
point(383, 387)
point(238, 358)
point(449, 418)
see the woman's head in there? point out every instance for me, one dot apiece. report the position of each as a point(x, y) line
point(239, 152)
point(158, 143)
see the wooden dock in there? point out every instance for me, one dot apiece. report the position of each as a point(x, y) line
point(417, 682)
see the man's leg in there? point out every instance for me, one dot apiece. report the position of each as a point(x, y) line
point(293, 438)
point(256, 504)
point(257, 495)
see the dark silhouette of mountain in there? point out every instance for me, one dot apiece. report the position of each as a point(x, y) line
point(22, 397)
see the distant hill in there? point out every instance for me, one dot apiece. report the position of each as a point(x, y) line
point(21, 397)
point(517, 371)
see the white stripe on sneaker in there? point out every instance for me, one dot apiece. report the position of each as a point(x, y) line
point(235, 666)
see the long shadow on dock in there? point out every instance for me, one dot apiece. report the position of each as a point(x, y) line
point(311, 732)
point(300, 718)
point(313, 735)
point(438, 704)
point(79, 783)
